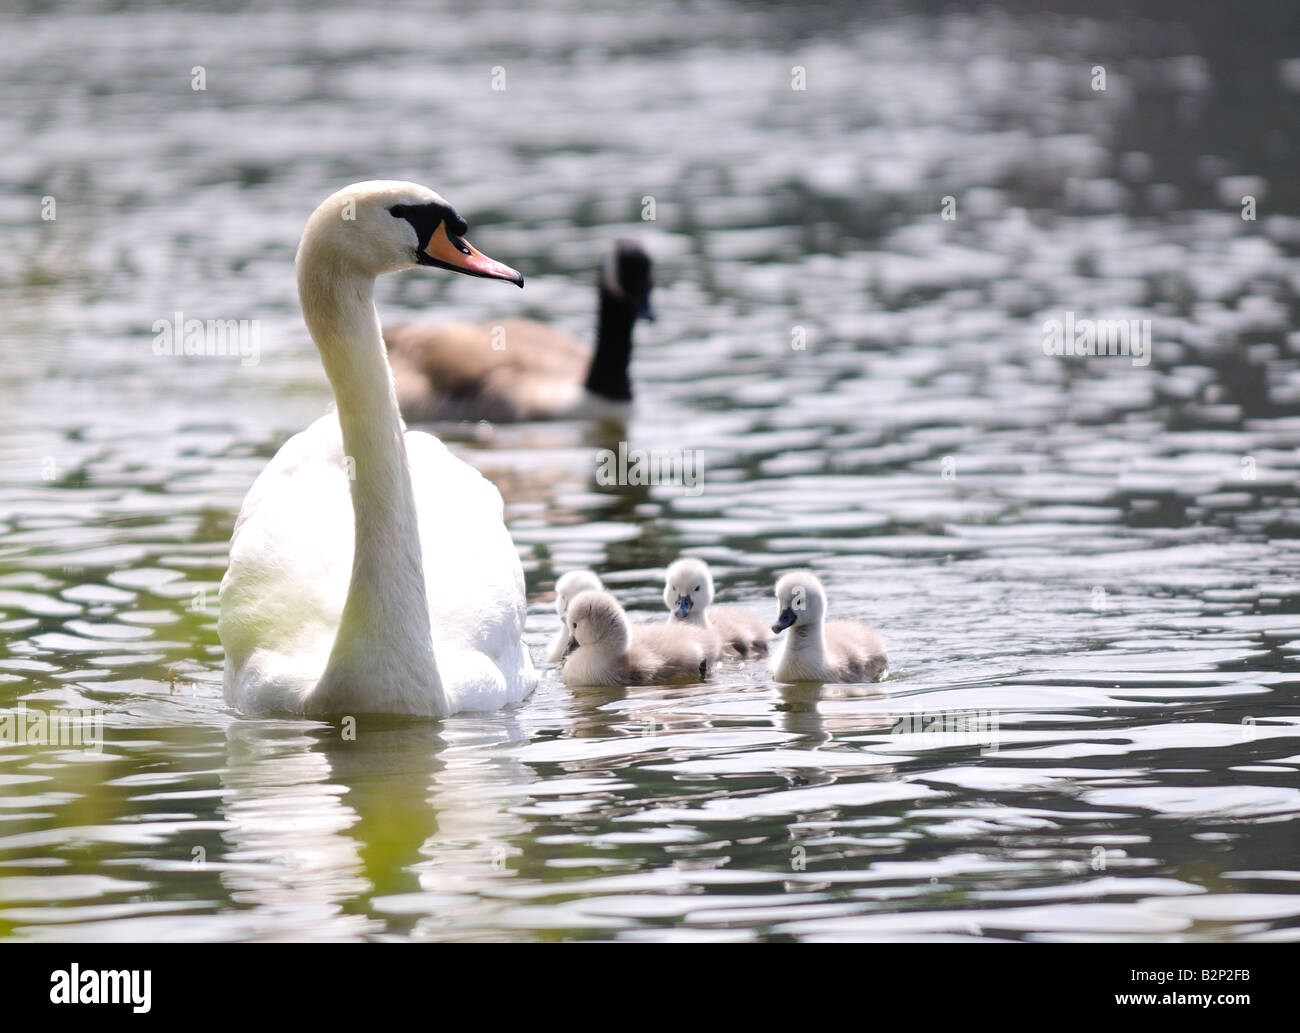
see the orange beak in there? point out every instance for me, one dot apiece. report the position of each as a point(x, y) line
point(458, 255)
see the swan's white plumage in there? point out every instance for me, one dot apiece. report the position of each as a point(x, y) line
point(291, 560)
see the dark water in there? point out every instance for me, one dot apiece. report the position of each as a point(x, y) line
point(1086, 567)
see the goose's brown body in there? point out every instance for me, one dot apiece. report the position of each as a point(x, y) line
point(508, 372)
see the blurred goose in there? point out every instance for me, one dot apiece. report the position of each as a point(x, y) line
point(370, 569)
point(569, 585)
point(817, 650)
point(688, 594)
point(607, 650)
point(516, 369)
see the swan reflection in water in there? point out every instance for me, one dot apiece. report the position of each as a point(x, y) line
point(323, 829)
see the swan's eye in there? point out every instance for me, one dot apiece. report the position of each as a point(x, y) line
point(697, 588)
point(458, 244)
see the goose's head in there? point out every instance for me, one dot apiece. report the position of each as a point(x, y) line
point(383, 226)
point(800, 600)
point(688, 587)
point(627, 277)
point(596, 619)
point(570, 585)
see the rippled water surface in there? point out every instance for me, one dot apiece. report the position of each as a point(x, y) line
point(1086, 568)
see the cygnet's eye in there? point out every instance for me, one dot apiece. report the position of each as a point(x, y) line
point(697, 588)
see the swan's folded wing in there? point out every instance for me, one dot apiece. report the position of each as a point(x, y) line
point(857, 649)
point(475, 581)
point(290, 561)
point(673, 651)
point(743, 633)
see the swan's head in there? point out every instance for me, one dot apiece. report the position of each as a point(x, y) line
point(570, 585)
point(688, 587)
point(627, 276)
point(383, 226)
point(596, 619)
point(800, 599)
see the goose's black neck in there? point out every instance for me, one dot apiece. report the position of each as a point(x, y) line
point(607, 375)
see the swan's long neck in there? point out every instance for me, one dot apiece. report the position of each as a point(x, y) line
point(607, 375)
point(808, 641)
point(383, 651)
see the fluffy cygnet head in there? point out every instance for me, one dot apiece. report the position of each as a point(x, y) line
point(596, 619)
point(688, 588)
point(383, 226)
point(627, 274)
point(570, 585)
point(800, 599)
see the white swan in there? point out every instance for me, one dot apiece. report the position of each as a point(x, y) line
point(817, 650)
point(566, 589)
point(370, 570)
point(688, 594)
point(608, 650)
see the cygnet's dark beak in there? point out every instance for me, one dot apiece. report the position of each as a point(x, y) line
point(573, 644)
point(783, 621)
point(684, 604)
